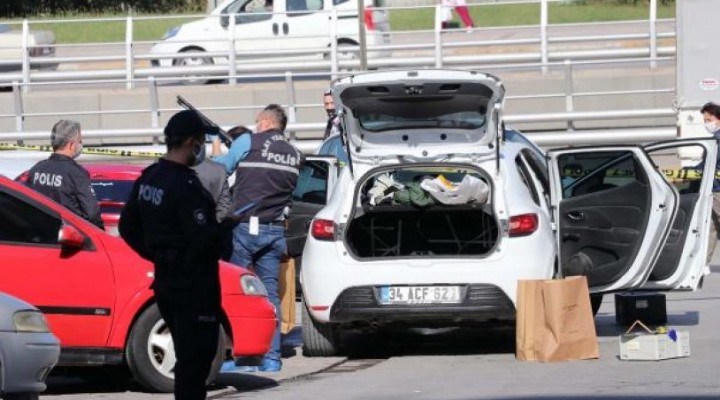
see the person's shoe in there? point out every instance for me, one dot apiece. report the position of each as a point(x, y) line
point(229, 367)
point(469, 30)
point(270, 366)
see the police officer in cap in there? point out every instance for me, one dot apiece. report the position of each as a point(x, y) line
point(170, 220)
point(61, 178)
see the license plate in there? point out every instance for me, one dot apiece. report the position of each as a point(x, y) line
point(420, 294)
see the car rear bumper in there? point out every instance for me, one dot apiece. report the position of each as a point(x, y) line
point(479, 303)
point(28, 358)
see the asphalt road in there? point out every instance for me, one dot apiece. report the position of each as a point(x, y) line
point(471, 365)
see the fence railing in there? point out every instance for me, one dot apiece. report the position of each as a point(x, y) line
point(333, 51)
point(569, 115)
point(534, 47)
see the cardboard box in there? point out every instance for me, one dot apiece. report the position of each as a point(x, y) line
point(646, 307)
point(651, 346)
point(287, 295)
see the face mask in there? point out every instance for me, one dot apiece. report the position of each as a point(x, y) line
point(78, 150)
point(711, 127)
point(198, 154)
point(331, 112)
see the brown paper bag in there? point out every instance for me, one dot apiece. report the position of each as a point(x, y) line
point(287, 295)
point(555, 321)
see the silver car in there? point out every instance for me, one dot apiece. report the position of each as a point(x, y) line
point(41, 46)
point(28, 350)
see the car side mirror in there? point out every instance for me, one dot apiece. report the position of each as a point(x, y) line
point(70, 238)
point(224, 21)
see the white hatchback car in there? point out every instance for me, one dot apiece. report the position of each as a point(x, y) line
point(271, 35)
point(389, 249)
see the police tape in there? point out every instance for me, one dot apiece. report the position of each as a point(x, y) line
point(90, 150)
point(674, 174)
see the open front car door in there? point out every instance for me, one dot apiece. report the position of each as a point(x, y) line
point(685, 255)
point(613, 211)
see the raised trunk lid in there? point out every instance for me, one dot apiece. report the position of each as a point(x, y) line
point(423, 115)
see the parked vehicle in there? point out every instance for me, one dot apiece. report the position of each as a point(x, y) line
point(406, 240)
point(40, 44)
point(112, 184)
point(95, 291)
point(28, 351)
point(271, 29)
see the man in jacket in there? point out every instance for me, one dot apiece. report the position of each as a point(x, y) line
point(169, 219)
point(267, 169)
point(61, 178)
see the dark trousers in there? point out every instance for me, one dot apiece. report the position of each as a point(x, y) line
point(194, 328)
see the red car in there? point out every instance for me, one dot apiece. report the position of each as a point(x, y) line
point(112, 184)
point(95, 291)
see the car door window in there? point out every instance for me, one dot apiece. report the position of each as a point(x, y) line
point(526, 180)
point(587, 173)
point(251, 11)
point(312, 183)
point(296, 7)
point(536, 162)
point(21, 222)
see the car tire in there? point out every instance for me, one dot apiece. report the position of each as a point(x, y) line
point(343, 53)
point(319, 340)
point(595, 302)
point(151, 356)
point(194, 61)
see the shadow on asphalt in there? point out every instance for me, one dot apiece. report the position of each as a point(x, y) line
point(416, 342)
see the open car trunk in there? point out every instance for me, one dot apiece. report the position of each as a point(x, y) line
point(423, 210)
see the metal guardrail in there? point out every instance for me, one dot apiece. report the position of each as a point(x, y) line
point(570, 115)
point(127, 65)
point(438, 53)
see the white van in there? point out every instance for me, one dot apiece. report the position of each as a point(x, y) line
point(271, 30)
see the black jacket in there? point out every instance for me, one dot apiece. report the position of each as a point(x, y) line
point(169, 219)
point(68, 183)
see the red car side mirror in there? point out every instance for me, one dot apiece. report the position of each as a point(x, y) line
point(70, 238)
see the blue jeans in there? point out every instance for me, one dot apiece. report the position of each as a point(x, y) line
point(262, 254)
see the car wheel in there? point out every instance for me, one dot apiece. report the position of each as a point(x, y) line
point(151, 354)
point(596, 302)
point(199, 60)
point(344, 54)
point(319, 340)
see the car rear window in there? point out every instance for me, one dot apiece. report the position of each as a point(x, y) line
point(397, 106)
point(113, 191)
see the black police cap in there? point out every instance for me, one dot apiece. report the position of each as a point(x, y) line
point(183, 125)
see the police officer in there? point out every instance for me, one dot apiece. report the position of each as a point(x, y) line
point(170, 220)
point(266, 176)
point(61, 178)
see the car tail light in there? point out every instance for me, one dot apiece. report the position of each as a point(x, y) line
point(323, 229)
point(369, 22)
point(523, 224)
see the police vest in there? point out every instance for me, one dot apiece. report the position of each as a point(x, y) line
point(267, 176)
